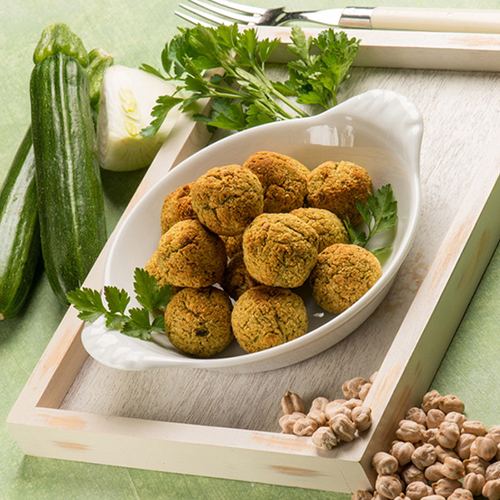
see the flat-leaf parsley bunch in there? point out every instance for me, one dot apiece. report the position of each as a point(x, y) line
point(241, 92)
point(138, 322)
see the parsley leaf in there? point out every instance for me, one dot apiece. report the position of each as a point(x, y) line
point(379, 214)
point(88, 302)
point(316, 78)
point(149, 294)
point(242, 94)
point(139, 322)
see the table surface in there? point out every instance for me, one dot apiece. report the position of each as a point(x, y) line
point(135, 32)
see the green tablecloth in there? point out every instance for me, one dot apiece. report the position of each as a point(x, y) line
point(135, 32)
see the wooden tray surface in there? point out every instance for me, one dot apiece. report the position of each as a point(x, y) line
point(74, 408)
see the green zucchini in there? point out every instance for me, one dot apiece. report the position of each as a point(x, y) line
point(20, 240)
point(69, 189)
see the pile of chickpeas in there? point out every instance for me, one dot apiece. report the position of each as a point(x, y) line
point(438, 454)
point(329, 423)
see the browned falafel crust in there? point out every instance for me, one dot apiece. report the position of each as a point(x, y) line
point(189, 255)
point(343, 274)
point(283, 178)
point(265, 317)
point(337, 186)
point(198, 321)
point(151, 268)
point(329, 227)
point(233, 244)
point(177, 206)
point(237, 279)
point(280, 250)
point(226, 199)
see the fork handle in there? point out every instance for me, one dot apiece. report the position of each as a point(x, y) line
point(422, 19)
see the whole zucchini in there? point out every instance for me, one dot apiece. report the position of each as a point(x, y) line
point(70, 196)
point(19, 230)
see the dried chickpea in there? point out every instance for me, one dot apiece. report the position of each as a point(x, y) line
point(417, 490)
point(434, 417)
point(318, 416)
point(351, 387)
point(411, 473)
point(384, 463)
point(410, 431)
point(461, 494)
point(417, 415)
point(491, 489)
point(483, 447)
point(445, 487)
point(474, 427)
point(423, 456)
point(334, 407)
point(433, 472)
point(448, 434)
point(292, 403)
point(343, 427)
point(378, 496)
point(430, 436)
point(402, 497)
point(474, 483)
point(287, 422)
point(434, 497)
point(462, 449)
point(304, 426)
point(494, 433)
point(363, 392)
point(451, 403)
point(319, 403)
point(492, 471)
point(453, 468)
point(362, 417)
point(389, 486)
point(442, 453)
point(362, 495)
point(325, 439)
point(352, 403)
point(476, 465)
point(431, 400)
point(402, 451)
point(456, 418)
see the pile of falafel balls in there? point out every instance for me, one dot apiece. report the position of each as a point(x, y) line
point(258, 231)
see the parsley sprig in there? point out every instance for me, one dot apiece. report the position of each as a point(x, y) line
point(379, 214)
point(242, 94)
point(138, 322)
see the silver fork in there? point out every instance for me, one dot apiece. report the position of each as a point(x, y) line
point(392, 18)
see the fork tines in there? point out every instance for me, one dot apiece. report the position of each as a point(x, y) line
point(227, 16)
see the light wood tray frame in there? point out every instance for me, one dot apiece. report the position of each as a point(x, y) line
point(44, 427)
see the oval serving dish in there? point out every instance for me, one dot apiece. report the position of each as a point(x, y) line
point(379, 130)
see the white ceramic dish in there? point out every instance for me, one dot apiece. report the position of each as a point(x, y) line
point(379, 130)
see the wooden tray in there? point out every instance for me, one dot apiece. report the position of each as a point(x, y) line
point(226, 425)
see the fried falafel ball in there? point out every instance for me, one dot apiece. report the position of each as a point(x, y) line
point(283, 178)
point(329, 227)
point(233, 244)
point(343, 274)
point(337, 186)
point(237, 279)
point(151, 268)
point(280, 250)
point(189, 255)
point(265, 317)
point(226, 199)
point(177, 206)
point(198, 321)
